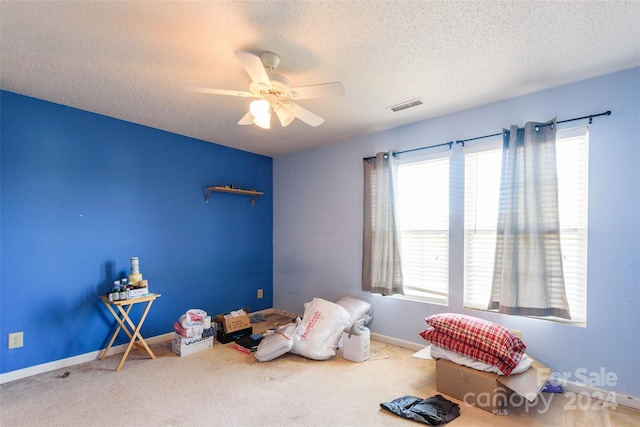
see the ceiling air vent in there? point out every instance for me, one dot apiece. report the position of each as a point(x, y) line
point(406, 104)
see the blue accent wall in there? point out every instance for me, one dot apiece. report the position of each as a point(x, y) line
point(82, 193)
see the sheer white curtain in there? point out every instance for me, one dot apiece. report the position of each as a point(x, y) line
point(381, 272)
point(528, 276)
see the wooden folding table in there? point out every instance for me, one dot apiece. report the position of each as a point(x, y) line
point(126, 324)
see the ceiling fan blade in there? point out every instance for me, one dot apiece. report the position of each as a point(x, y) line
point(247, 119)
point(254, 67)
point(317, 91)
point(217, 91)
point(305, 115)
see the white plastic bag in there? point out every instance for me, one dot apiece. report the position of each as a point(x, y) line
point(317, 335)
point(191, 324)
point(193, 317)
point(190, 332)
point(276, 344)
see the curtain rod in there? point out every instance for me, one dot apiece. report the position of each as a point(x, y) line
point(462, 141)
point(590, 117)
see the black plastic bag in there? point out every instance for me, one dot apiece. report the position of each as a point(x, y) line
point(433, 411)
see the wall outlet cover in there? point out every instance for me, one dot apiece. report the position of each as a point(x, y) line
point(16, 340)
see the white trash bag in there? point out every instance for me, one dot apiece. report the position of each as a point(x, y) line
point(320, 330)
point(276, 344)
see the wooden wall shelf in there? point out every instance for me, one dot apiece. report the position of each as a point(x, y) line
point(221, 189)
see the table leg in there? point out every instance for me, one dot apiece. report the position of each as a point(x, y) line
point(136, 333)
point(118, 328)
point(121, 322)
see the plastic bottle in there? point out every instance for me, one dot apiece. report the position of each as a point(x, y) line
point(116, 290)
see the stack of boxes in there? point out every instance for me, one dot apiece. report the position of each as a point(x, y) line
point(193, 333)
point(232, 326)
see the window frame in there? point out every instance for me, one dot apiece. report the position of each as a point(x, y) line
point(429, 295)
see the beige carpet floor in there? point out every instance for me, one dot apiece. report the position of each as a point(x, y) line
point(225, 387)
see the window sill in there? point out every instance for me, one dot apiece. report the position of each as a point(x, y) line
point(581, 324)
point(420, 299)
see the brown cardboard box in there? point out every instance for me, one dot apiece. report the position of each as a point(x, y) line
point(231, 323)
point(489, 391)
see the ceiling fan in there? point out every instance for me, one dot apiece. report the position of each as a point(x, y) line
point(274, 92)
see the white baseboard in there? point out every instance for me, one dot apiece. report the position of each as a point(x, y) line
point(596, 393)
point(88, 357)
point(75, 360)
point(607, 396)
point(397, 342)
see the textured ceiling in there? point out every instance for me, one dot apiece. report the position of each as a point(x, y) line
point(130, 60)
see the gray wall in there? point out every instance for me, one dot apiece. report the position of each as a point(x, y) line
point(318, 226)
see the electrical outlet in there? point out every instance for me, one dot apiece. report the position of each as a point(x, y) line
point(16, 340)
point(259, 293)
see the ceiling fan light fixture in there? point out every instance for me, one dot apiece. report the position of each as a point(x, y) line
point(264, 120)
point(261, 110)
point(260, 107)
point(285, 115)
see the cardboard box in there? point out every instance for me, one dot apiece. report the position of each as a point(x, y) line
point(492, 392)
point(232, 336)
point(184, 340)
point(138, 292)
point(189, 347)
point(230, 323)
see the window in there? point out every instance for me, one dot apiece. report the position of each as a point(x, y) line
point(482, 187)
point(423, 212)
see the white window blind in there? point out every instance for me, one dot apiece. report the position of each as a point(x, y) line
point(482, 188)
point(423, 212)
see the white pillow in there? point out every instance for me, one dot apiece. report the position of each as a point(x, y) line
point(461, 359)
point(358, 309)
